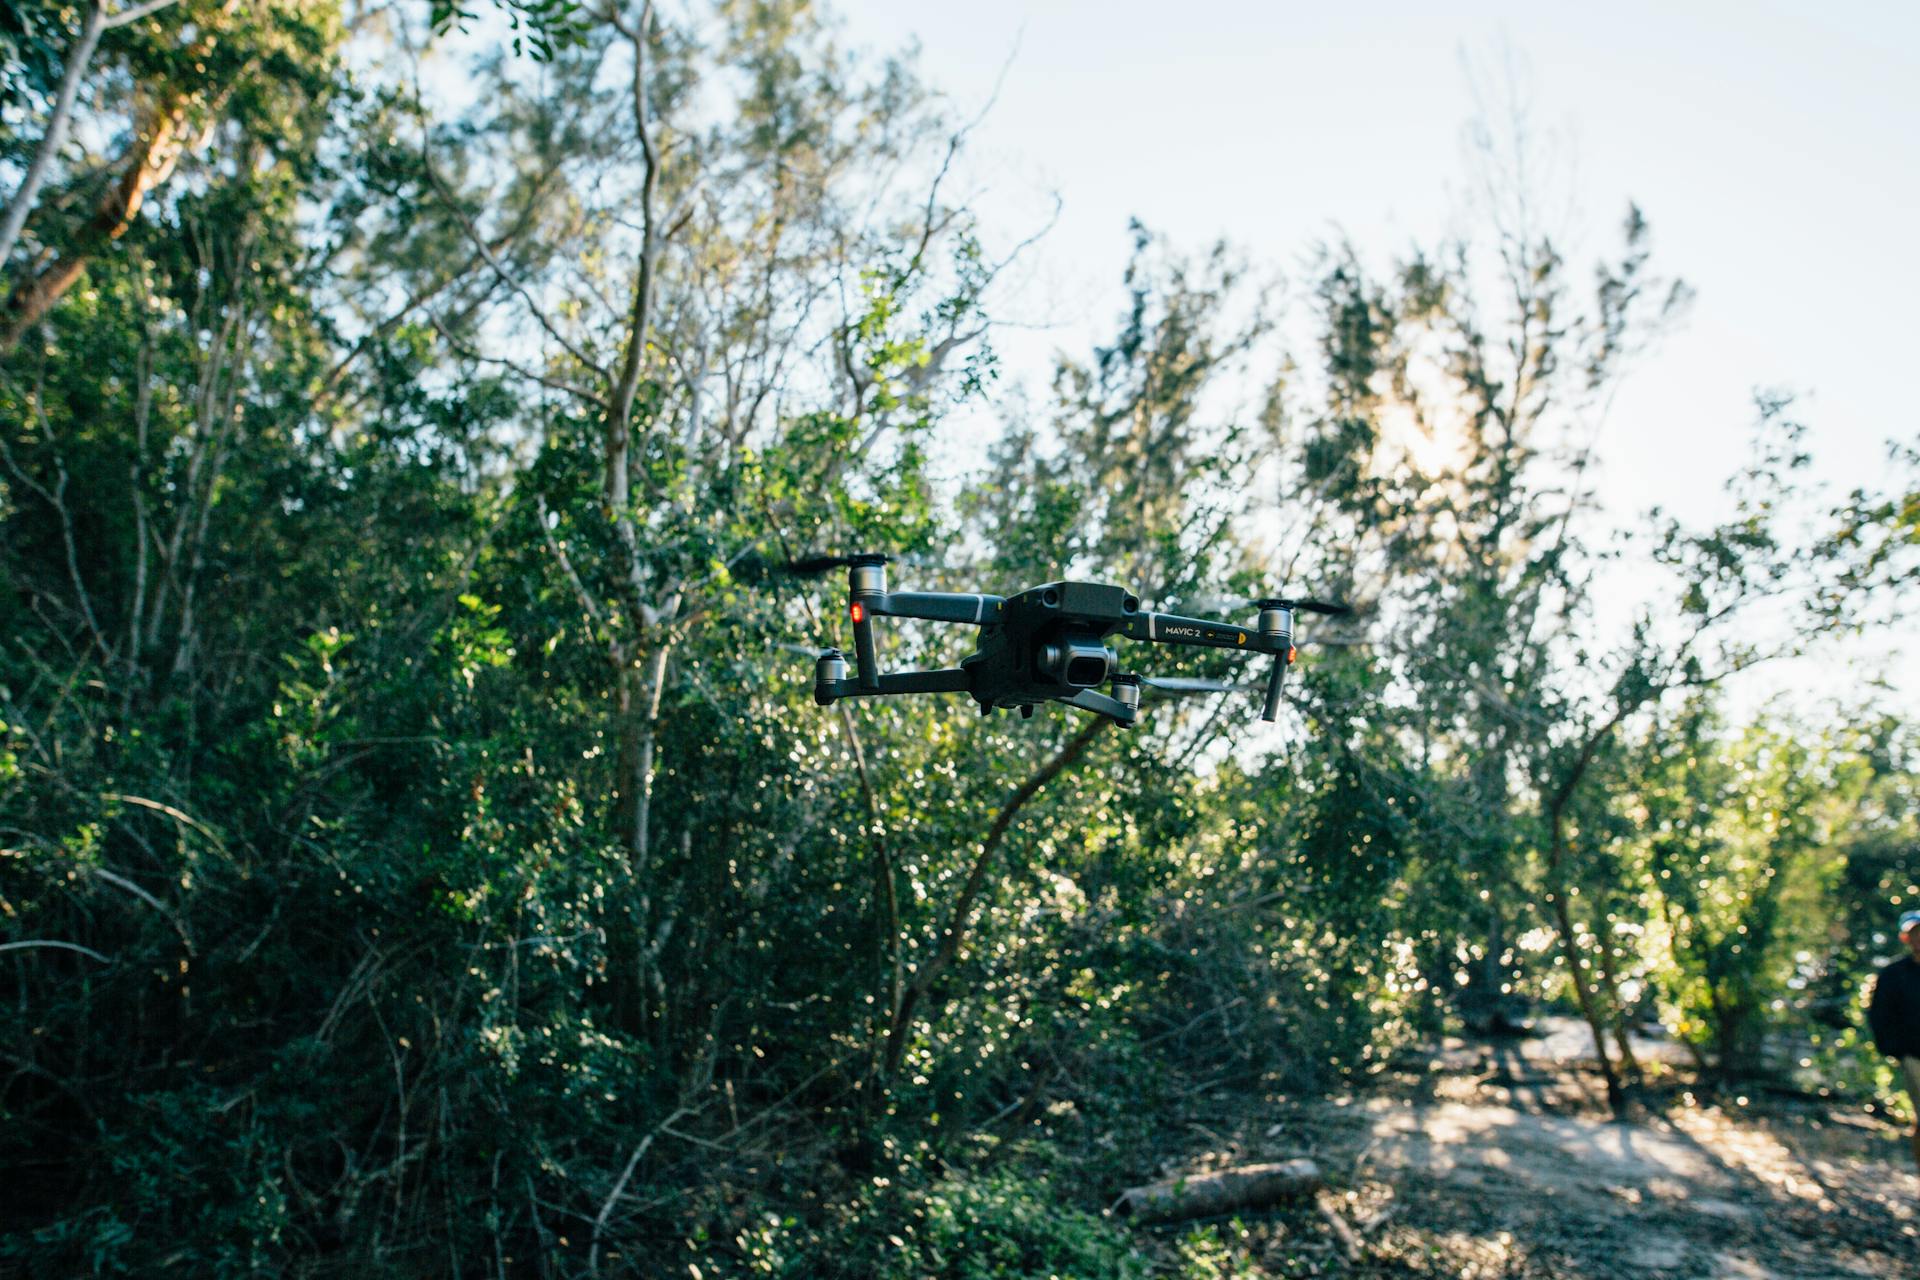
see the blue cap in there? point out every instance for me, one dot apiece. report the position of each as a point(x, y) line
point(1908, 919)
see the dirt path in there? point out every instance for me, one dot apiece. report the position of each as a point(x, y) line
point(1502, 1163)
point(1703, 1194)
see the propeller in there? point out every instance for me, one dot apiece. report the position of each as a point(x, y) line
point(755, 567)
point(810, 650)
point(1307, 605)
point(814, 566)
point(1203, 605)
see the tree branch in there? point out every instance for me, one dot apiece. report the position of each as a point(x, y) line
point(78, 56)
point(47, 942)
point(954, 935)
point(127, 17)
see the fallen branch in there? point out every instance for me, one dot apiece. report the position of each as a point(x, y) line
point(1203, 1195)
point(1350, 1243)
point(1377, 1219)
point(619, 1185)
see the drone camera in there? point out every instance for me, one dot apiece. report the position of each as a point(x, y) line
point(1078, 664)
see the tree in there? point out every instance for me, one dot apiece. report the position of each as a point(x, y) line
point(95, 22)
point(1454, 458)
point(186, 68)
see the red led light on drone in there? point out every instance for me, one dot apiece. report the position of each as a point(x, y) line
point(859, 612)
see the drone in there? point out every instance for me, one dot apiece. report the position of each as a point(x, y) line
point(1045, 644)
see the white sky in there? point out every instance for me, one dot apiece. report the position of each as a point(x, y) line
point(1775, 149)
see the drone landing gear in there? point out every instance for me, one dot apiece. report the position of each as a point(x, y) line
point(1118, 710)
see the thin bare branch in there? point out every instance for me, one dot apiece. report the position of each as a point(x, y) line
point(960, 919)
point(485, 250)
point(553, 384)
point(48, 942)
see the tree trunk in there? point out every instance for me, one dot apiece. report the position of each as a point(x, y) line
point(626, 768)
point(616, 488)
point(1589, 1009)
point(1629, 1065)
point(160, 138)
point(55, 137)
point(1570, 947)
point(1559, 798)
point(649, 722)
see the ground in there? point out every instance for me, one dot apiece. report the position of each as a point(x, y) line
point(1502, 1161)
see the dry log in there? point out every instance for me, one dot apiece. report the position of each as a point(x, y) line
point(1202, 1195)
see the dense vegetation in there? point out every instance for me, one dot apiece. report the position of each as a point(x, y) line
point(419, 850)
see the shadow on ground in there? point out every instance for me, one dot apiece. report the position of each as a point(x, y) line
point(1501, 1162)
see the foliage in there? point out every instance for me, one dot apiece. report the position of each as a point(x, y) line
point(541, 28)
point(1002, 1225)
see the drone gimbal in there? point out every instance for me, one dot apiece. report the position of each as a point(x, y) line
point(1046, 644)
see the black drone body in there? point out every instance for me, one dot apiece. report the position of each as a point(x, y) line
point(1045, 644)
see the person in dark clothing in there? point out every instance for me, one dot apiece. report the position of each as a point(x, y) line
point(1894, 1015)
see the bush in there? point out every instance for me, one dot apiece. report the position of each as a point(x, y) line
point(1003, 1225)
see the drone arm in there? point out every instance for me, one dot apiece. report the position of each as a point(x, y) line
point(1272, 634)
point(870, 599)
point(940, 606)
point(951, 680)
point(1171, 628)
point(934, 606)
